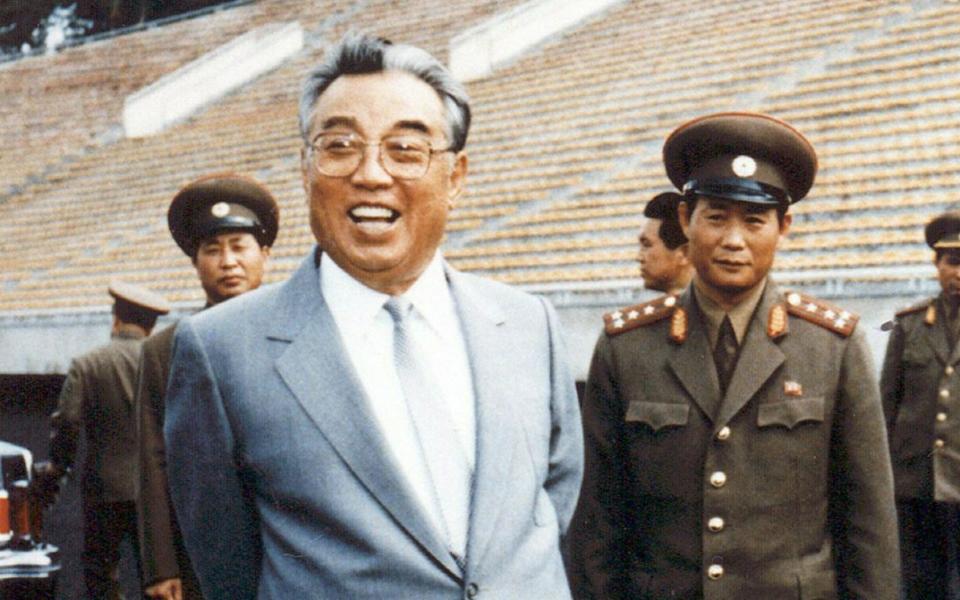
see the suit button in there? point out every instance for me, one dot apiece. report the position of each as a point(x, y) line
point(724, 434)
point(715, 571)
point(715, 524)
point(472, 590)
point(718, 479)
point(941, 417)
point(948, 371)
point(944, 393)
point(938, 444)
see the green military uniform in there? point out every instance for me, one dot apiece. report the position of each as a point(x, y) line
point(770, 483)
point(774, 490)
point(203, 208)
point(920, 386)
point(161, 547)
point(97, 397)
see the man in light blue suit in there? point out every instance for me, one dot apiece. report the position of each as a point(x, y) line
point(380, 425)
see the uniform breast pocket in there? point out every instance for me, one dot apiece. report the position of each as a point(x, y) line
point(791, 413)
point(657, 415)
point(790, 450)
point(658, 434)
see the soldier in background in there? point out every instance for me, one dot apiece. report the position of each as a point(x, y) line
point(97, 397)
point(919, 385)
point(663, 259)
point(226, 223)
point(735, 444)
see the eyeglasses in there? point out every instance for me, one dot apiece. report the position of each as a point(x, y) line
point(402, 156)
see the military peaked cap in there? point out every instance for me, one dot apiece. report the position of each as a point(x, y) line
point(139, 297)
point(943, 231)
point(222, 202)
point(745, 157)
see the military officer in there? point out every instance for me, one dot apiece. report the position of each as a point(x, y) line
point(97, 396)
point(226, 223)
point(663, 259)
point(735, 443)
point(919, 386)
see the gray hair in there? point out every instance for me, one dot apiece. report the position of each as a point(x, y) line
point(358, 53)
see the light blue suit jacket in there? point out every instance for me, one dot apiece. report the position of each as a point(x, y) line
point(284, 487)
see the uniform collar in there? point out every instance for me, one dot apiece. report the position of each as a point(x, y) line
point(130, 332)
point(740, 314)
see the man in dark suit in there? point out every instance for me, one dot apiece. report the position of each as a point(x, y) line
point(226, 223)
point(735, 439)
point(97, 397)
point(919, 385)
point(382, 425)
point(664, 265)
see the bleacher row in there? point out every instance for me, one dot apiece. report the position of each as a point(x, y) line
point(563, 153)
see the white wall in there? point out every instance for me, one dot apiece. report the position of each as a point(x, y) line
point(476, 52)
point(181, 93)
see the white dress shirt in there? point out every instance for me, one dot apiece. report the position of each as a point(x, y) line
point(366, 331)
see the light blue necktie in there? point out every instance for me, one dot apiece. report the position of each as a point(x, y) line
point(440, 445)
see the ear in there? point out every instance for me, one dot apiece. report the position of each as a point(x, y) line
point(265, 250)
point(785, 224)
point(458, 178)
point(683, 215)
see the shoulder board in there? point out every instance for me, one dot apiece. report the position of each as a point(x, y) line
point(928, 307)
point(915, 308)
point(822, 313)
point(626, 319)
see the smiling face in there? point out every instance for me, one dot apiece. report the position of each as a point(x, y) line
point(732, 246)
point(381, 230)
point(229, 264)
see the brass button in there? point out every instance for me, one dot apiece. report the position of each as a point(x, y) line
point(715, 524)
point(715, 572)
point(944, 393)
point(938, 444)
point(948, 370)
point(723, 434)
point(941, 417)
point(718, 479)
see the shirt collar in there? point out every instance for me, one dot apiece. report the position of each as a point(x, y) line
point(430, 295)
point(740, 315)
point(354, 304)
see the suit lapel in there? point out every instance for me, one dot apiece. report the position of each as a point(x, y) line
point(316, 369)
point(498, 433)
point(692, 361)
point(759, 358)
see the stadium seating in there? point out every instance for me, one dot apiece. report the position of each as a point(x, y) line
point(564, 149)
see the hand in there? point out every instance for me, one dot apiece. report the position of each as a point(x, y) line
point(168, 589)
point(45, 486)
